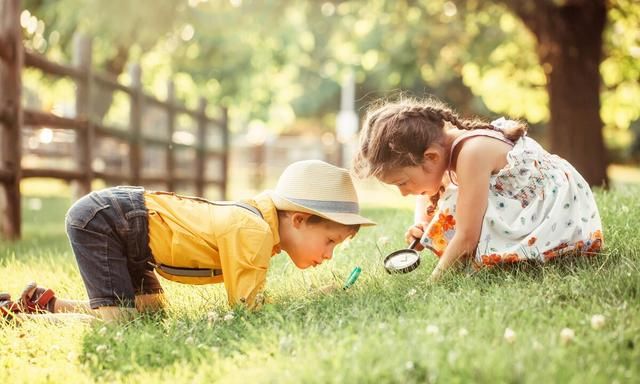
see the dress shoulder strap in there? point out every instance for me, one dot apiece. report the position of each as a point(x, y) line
point(496, 134)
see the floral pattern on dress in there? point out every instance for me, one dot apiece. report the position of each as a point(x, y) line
point(539, 208)
point(440, 232)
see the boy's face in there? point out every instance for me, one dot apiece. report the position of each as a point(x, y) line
point(312, 243)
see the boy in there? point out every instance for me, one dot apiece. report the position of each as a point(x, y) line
point(121, 235)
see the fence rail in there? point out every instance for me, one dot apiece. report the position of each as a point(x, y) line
point(13, 117)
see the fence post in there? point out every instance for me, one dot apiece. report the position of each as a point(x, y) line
point(171, 124)
point(201, 156)
point(224, 122)
point(258, 155)
point(11, 61)
point(84, 140)
point(135, 117)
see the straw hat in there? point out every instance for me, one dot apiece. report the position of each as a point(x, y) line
point(319, 188)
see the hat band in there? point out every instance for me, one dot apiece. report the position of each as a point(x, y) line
point(327, 206)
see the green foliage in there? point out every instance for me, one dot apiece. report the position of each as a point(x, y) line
point(620, 72)
point(118, 23)
point(277, 60)
point(502, 66)
point(383, 329)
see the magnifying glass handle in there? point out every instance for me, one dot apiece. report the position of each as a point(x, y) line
point(414, 243)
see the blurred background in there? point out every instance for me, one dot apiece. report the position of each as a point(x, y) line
point(296, 77)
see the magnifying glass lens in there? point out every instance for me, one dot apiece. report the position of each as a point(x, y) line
point(401, 260)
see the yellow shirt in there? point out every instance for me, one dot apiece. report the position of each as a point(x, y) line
point(188, 232)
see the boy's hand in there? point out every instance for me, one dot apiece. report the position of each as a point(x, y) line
point(324, 289)
point(415, 232)
point(328, 289)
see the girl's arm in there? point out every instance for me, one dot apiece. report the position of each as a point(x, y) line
point(477, 159)
point(420, 215)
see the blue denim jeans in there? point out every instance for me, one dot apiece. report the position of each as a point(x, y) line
point(109, 233)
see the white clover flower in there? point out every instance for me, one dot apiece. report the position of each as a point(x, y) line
point(412, 292)
point(383, 240)
point(213, 316)
point(189, 340)
point(432, 329)
point(286, 343)
point(452, 357)
point(567, 335)
point(509, 335)
point(101, 348)
point(463, 332)
point(409, 365)
point(597, 321)
point(229, 316)
point(102, 331)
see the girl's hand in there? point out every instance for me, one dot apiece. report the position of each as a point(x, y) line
point(436, 275)
point(415, 232)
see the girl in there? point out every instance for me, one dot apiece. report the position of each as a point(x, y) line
point(496, 195)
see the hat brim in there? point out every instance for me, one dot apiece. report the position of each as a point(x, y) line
point(284, 204)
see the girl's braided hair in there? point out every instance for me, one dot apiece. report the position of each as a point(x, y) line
point(396, 134)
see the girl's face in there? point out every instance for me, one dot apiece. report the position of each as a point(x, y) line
point(313, 243)
point(423, 179)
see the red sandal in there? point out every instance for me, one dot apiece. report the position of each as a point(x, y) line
point(8, 308)
point(36, 299)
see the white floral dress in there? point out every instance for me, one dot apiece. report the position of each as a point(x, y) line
point(539, 207)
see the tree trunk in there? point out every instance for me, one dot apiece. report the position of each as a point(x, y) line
point(570, 51)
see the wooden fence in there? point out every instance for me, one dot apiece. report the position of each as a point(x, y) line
point(13, 119)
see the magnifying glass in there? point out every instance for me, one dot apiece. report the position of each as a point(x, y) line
point(403, 260)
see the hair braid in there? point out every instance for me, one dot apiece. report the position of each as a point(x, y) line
point(422, 112)
point(396, 134)
point(434, 201)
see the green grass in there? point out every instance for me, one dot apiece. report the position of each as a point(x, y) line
point(378, 331)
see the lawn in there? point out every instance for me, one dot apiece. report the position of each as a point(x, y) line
point(494, 326)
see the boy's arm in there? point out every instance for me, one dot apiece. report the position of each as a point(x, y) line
point(245, 254)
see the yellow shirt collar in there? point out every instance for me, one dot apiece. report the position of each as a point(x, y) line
point(264, 203)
